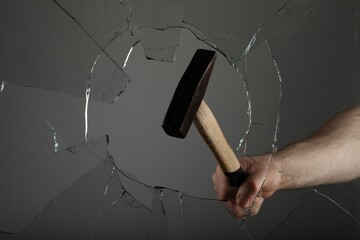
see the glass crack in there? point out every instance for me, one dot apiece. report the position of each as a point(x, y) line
point(81, 191)
point(337, 205)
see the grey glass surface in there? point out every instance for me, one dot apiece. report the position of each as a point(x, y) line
point(83, 154)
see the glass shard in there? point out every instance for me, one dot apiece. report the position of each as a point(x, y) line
point(231, 26)
point(65, 114)
point(310, 215)
point(78, 214)
point(157, 23)
point(56, 53)
point(103, 21)
point(264, 91)
point(28, 186)
point(2, 86)
point(202, 219)
point(160, 44)
point(127, 214)
point(158, 228)
point(20, 123)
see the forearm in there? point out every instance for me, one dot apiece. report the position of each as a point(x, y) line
point(330, 155)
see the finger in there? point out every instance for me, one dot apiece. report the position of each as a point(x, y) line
point(248, 191)
point(218, 176)
point(267, 194)
point(235, 210)
point(255, 208)
point(239, 212)
point(222, 187)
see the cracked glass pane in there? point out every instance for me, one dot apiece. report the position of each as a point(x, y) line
point(283, 69)
point(230, 26)
point(17, 133)
point(57, 111)
point(29, 185)
point(158, 25)
point(264, 92)
point(43, 46)
point(201, 219)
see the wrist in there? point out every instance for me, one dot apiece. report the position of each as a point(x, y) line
point(275, 176)
point(293, 165)
point(281, 163)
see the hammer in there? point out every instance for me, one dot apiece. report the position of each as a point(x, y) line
point(187, 105)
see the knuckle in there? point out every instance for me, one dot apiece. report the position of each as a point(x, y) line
point(253, 185)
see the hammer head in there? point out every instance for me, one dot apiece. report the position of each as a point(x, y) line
point(189, 94)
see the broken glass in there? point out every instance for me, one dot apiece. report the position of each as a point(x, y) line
point(29, 185)
point(43, 47)
point(283, 69)
point(15, 136)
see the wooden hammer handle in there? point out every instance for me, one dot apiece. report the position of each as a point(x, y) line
point(209, 129)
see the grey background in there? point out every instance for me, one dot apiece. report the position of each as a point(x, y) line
point(318, 60)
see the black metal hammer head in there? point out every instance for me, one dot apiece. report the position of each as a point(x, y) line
point(189, 94)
